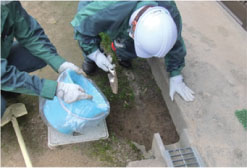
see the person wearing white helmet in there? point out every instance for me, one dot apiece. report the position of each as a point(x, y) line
point(142, 29)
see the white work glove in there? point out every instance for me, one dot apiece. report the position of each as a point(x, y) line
point(69, 65)
point(103, 62)
point(70, 92)
point(177, 85)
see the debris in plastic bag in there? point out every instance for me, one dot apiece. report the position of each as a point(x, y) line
point(73, 117)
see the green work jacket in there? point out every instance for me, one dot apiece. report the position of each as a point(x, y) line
point(112, 18)
point(16, 23)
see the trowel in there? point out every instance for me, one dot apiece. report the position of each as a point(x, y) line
point(12, 112)
point(112, 76)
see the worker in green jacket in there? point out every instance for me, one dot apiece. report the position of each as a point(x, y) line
point(31, 50)
point(138, 29)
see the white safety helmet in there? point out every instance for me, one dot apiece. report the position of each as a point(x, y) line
point(155, 33)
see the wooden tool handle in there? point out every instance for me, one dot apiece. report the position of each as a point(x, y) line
point(21, 142)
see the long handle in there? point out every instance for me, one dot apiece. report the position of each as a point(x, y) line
point(21, 142)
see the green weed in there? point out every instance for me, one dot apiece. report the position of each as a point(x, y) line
point(125, 95)
point(242, 117)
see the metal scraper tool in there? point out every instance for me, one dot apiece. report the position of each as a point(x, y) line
point(112, 76)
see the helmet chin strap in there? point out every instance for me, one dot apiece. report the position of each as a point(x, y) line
point(135, 17)
point(132, 17)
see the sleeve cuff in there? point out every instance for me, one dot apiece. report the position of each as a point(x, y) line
point(93, 50)
point(56, 61)
point(93, 55)
point(175, 73)
point(49, 89)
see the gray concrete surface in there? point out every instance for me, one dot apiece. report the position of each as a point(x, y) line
point(216, 70)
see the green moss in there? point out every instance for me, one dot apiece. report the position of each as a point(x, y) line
point(106, 43)
point(133, 147)
point(242, 117)
point(113, 137)
point(114, 151)
point(103, 150)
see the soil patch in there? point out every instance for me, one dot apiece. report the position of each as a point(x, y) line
point(139, 116)
point(149, 115)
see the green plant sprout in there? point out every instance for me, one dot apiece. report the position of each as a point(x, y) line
point(242, 117)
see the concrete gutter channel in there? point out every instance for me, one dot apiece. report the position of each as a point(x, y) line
point(218, 76)
point(159, 150)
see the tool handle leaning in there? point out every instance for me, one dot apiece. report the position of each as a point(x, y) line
point(21, 142)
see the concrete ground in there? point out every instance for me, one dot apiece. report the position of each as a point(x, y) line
point(216, 70)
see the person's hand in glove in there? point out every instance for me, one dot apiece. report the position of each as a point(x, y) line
point(69, 65)
point(177, 85)
point(103, 62)
point(70, 92)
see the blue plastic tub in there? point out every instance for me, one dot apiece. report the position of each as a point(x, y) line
point(70, 118)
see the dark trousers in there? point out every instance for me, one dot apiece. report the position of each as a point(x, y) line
point(23, 60)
